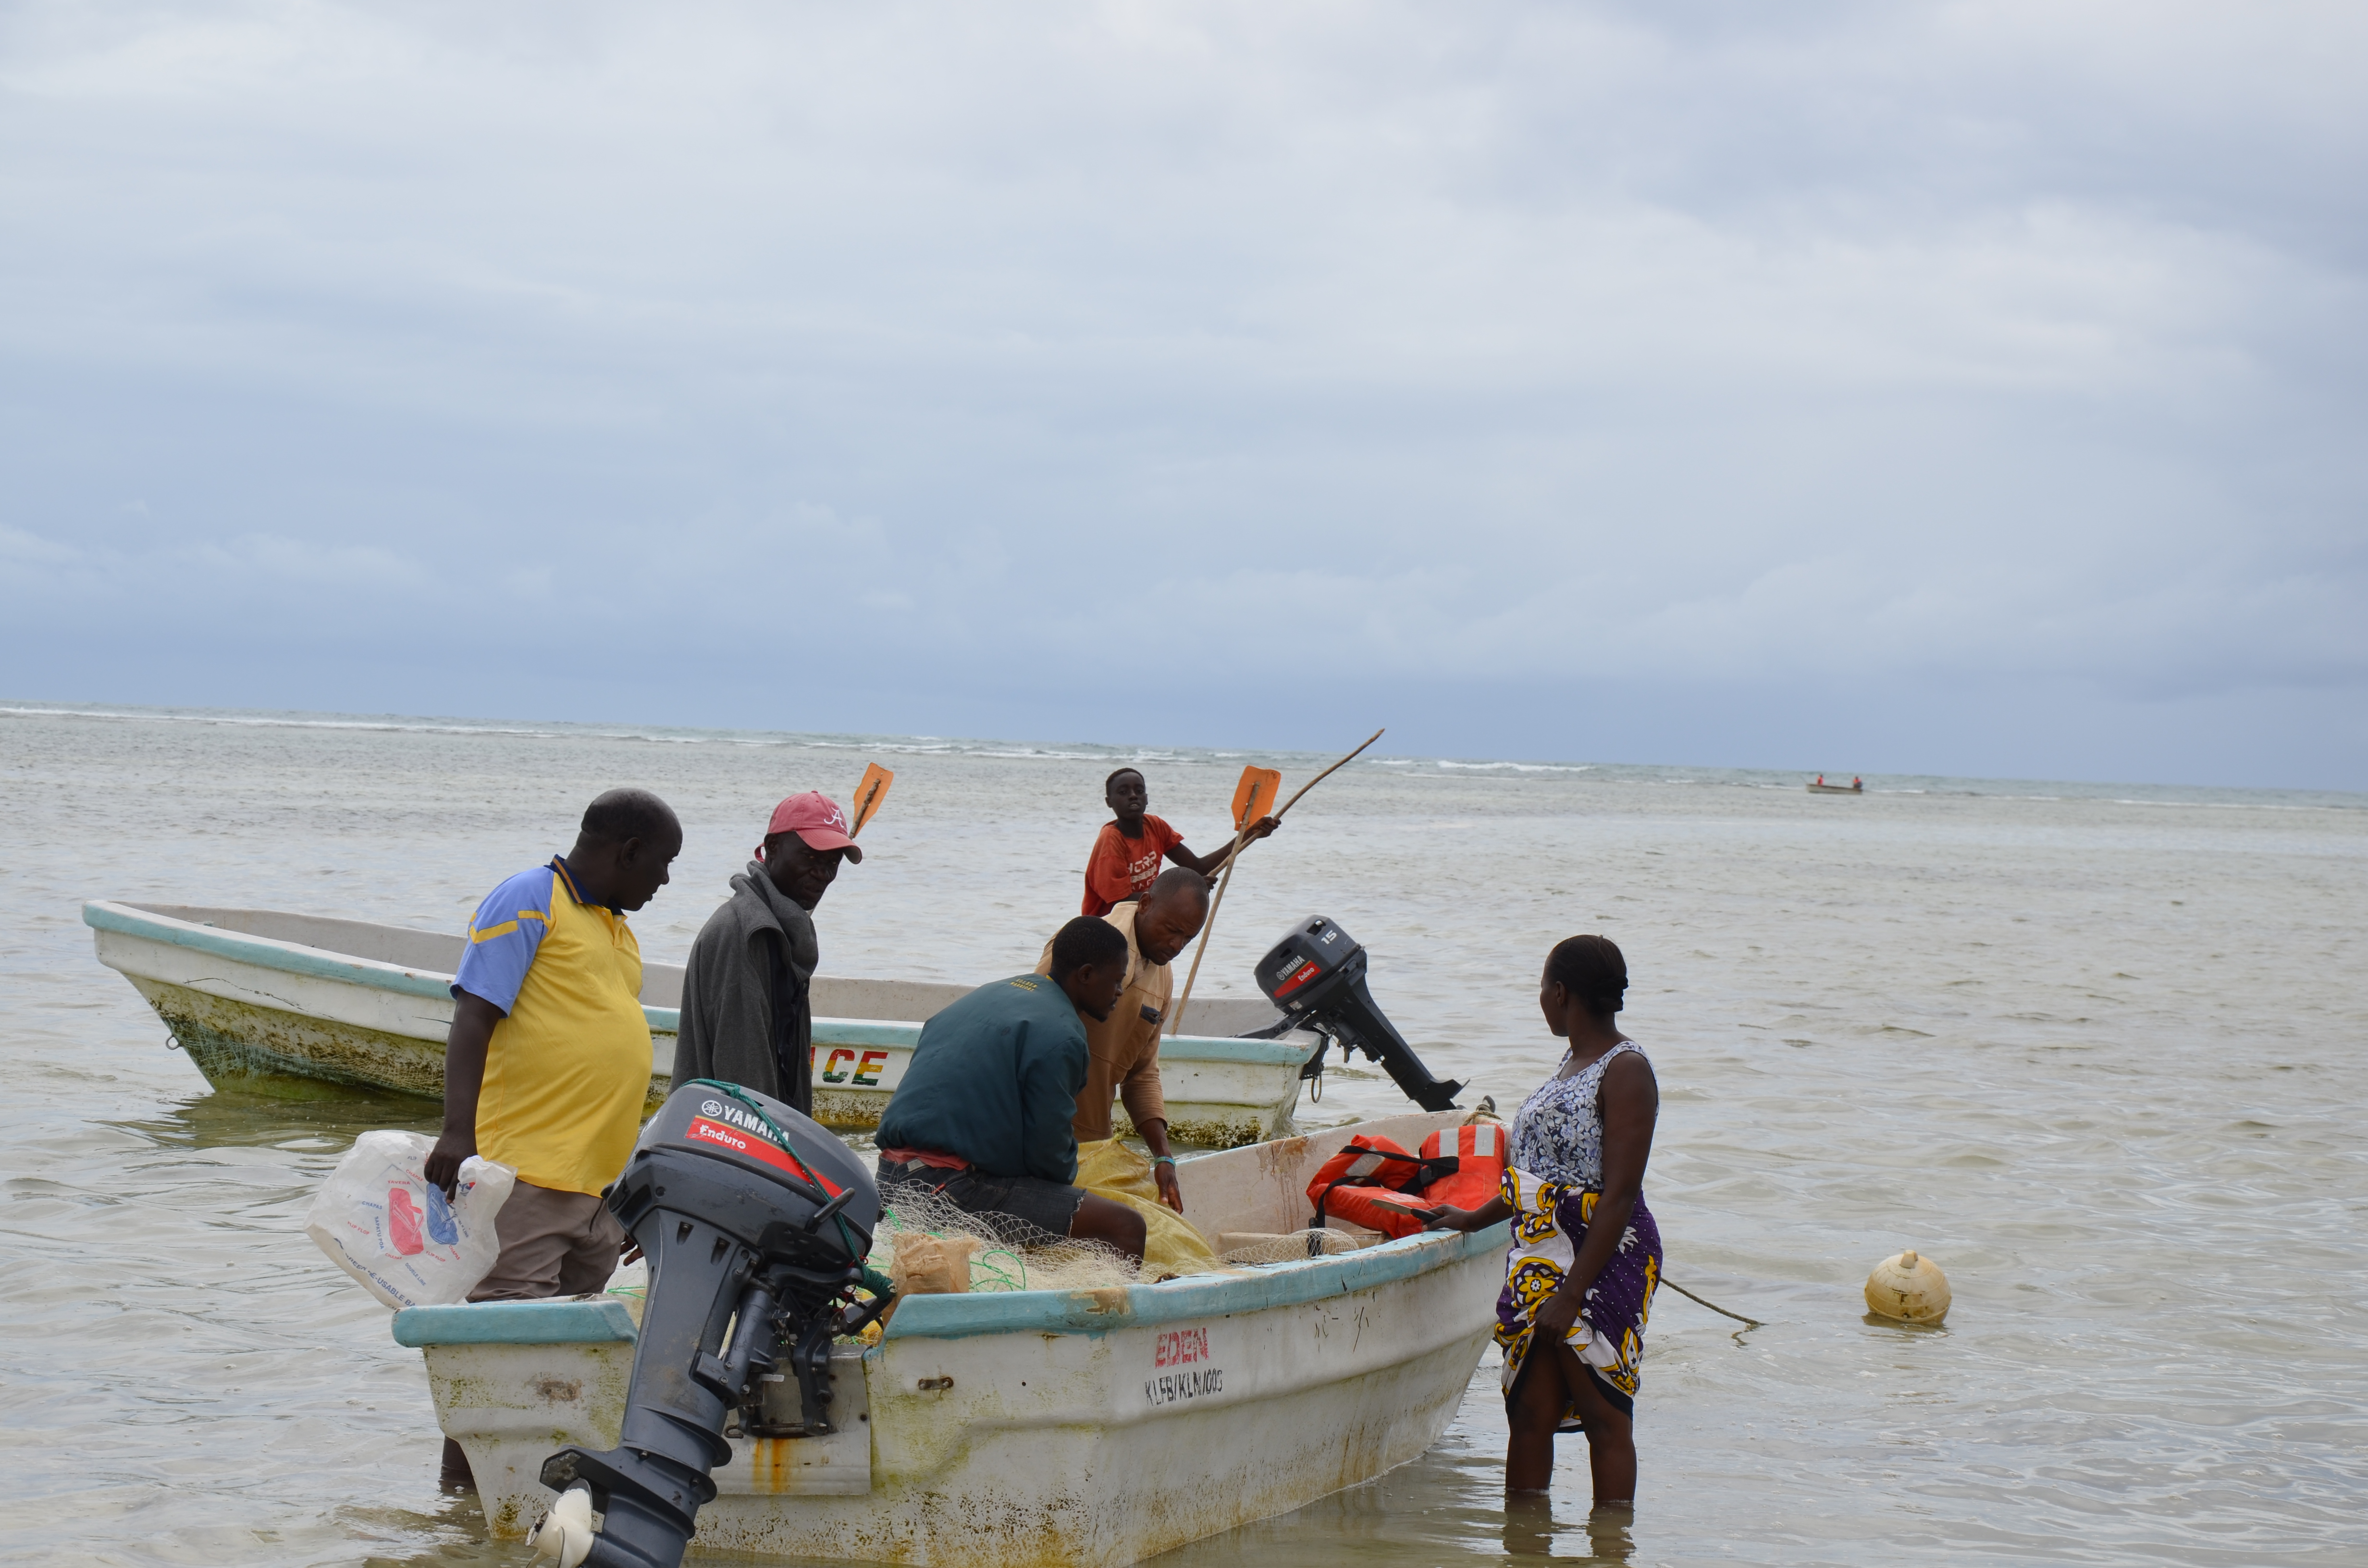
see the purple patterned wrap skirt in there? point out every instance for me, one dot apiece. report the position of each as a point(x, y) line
point(1550, 1223)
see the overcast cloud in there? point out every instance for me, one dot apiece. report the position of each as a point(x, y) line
point(1967, 388)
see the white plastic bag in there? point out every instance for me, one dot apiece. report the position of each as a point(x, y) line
point(380, 1221)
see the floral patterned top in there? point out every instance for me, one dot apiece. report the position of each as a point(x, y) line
point(1558, 1132)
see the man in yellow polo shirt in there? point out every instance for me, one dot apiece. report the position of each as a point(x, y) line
point(547, 1064)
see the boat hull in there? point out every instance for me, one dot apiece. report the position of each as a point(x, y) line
point(244, 1005)
point(230, 1037)
point(1038, 1427)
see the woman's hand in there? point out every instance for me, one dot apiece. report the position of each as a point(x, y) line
point(1557, 1313)
point(1445, 1218)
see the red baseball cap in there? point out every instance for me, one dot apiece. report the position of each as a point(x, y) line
point(815, 818)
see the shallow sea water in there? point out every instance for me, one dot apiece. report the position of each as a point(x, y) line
point(2099, 1052)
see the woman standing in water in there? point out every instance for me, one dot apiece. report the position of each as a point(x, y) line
point(1586, 1253)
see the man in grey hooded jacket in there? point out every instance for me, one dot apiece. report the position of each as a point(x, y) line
point(746, 1017)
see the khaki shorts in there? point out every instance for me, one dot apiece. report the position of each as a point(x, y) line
point(553, 1243)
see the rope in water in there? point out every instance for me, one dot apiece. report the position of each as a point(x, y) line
point(1714, 1306)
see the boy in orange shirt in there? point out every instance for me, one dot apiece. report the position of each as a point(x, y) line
point(1126, 855)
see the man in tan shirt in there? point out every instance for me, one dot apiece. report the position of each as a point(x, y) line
point(1124, 1047)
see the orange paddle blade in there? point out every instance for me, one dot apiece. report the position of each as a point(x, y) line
point(1253, 796)
point(867, 796)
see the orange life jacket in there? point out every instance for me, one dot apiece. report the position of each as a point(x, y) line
point(1375, 1183)
point(1479, 1151)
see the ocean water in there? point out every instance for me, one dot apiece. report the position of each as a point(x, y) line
point(2099, 1052)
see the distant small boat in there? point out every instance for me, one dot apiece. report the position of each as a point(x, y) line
point(1820, 787)
point(249, 992)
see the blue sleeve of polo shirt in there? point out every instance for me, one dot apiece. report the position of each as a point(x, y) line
point(504, 935)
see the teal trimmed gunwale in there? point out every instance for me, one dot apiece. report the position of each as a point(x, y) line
point(1013, 1312)
point(288, 958)
point(1172, 1047)
point(516, 1323)
point(295, 958)
point(1194, 1297)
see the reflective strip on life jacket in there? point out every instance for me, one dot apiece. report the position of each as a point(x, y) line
point(1368, 1161)
point(1479, 1154)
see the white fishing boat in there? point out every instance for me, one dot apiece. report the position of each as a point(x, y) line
point(248, 992)
point(1034, 1428)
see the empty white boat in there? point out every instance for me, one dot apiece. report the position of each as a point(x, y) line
point(260, 991)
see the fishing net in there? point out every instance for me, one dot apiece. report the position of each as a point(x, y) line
point(1010, 1255)
point(1007, 1253)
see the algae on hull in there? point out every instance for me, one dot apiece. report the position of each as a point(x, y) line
point(230, 1039)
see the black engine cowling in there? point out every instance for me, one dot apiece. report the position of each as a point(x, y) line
point(1316, 976)
point(755, 1222)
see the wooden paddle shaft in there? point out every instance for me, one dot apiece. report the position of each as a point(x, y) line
point(1241, 838)
point(1175, 1024)
point(1241, 834)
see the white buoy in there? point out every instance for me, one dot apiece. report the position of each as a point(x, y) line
point(1908, 1288)
point(566, 1532)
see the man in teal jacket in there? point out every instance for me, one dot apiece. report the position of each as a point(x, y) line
point(982, 1117)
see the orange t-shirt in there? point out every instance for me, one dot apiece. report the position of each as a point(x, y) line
point(1122, 868)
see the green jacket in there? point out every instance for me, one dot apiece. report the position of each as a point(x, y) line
point(994, 1080)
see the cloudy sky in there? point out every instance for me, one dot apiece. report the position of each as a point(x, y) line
point(1973, 388)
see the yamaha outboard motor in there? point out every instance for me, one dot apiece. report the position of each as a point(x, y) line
point(1317, 975)
point(756, 1223)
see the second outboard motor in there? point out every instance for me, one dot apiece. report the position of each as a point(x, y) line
point(1317, 975)
point(755, 1222)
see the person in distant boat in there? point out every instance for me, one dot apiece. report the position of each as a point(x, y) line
point(748, 1013)
point(983, 1115)
point(547, 1063)
point(1124, 1047)
point(1856, 782)
point(1128, 850)
point(1586, 1255)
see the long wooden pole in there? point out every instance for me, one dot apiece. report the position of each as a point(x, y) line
point(1175, 1024)
point(1241, 839)
point(1241, 835)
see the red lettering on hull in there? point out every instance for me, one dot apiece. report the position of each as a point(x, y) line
point(1181, 1348)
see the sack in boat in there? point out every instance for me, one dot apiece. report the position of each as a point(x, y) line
point(1375, 1183)
point(932, 1266)
point(1171, 1243)
point(381, 1221)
